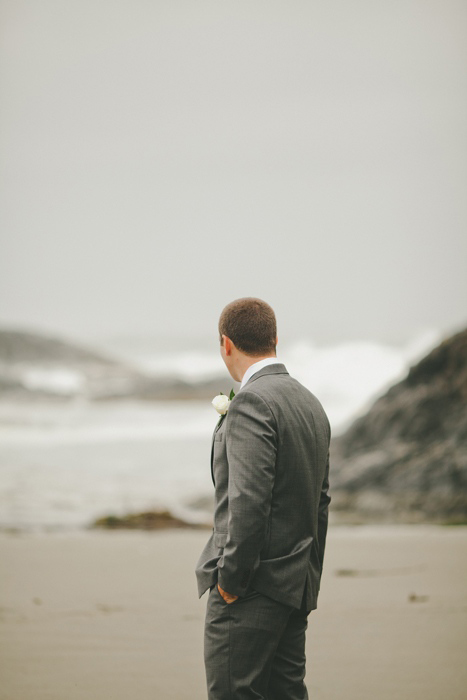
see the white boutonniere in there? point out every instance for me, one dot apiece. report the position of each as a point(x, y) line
point(221, 402)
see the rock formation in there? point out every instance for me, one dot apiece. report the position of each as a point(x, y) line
point(34, 365)
point(406, 459)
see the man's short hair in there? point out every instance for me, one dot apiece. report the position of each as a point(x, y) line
point(250, 324)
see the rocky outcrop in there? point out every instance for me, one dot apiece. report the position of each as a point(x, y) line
point(406, 459)
point(33, 365)
point(148, 520)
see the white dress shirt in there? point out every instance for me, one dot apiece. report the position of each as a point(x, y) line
point(256, 366)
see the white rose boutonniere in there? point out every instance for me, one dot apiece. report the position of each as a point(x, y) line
point(221, 402)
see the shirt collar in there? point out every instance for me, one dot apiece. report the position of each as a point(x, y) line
point(256, 366)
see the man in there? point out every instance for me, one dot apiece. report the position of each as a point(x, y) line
point(263, 561)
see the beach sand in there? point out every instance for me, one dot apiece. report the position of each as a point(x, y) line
point(115, 615)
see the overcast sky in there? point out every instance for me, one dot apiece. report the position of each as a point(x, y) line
point(161, 158)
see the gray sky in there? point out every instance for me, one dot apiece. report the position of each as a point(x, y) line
point(161, 158)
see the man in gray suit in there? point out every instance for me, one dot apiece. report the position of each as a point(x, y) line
point(264, 559)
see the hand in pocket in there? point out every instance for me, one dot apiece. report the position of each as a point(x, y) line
point(228, 597)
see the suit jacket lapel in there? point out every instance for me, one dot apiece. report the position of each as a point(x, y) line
point(218, 425)
point(276, 368)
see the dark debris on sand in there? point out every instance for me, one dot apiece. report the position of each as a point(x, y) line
point(148, 520)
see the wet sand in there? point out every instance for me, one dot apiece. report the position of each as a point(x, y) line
point(115, 615)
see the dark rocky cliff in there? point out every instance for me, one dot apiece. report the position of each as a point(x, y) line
point(406, 459)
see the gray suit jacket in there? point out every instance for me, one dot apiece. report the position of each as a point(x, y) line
point(270, 467)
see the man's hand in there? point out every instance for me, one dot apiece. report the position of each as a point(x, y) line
point(228, 597)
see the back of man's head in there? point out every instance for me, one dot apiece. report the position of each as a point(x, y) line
point(250, 324)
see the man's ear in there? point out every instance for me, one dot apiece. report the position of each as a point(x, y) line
point(227, 345)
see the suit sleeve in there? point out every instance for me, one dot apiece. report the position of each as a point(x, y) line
point(251, 444)
point(323, 509)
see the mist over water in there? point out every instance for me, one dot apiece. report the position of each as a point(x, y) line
point(344, 376)
point(62, 464)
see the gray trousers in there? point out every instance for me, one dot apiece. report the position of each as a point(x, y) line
point(254, 649)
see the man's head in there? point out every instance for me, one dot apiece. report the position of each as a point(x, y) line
point(247, 333)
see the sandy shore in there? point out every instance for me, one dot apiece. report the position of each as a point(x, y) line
point(115, 615)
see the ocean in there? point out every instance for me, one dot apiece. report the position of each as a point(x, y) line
point(65, 463)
